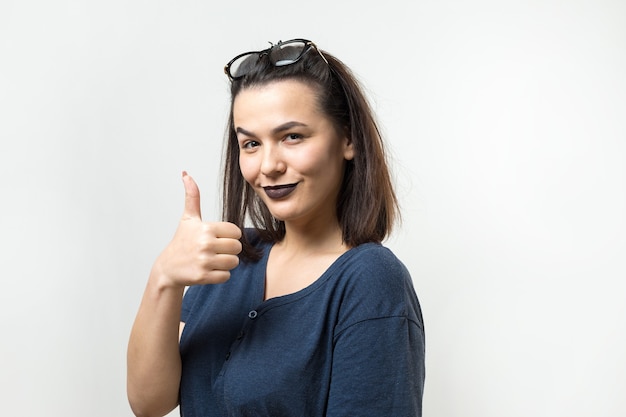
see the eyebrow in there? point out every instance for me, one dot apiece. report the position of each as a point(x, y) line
point(277, 129)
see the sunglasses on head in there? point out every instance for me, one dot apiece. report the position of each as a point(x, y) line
point(281, 54)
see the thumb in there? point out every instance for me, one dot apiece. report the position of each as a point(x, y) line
point(192, 197)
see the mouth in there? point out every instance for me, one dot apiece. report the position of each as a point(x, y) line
point(276, 192)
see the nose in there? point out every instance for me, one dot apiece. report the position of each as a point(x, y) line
point(272, 164)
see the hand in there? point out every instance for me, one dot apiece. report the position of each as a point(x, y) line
point(200, 252)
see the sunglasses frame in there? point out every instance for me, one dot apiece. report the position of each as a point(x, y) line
point(268, 52)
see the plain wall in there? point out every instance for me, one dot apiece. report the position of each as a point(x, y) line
point(506, 125)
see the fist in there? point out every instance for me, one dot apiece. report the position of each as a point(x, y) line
point(200, 252)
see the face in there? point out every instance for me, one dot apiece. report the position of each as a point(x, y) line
point(290, 152)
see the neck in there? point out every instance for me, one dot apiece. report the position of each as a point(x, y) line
point(321, 237)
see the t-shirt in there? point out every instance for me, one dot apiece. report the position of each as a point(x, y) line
point(349, 344)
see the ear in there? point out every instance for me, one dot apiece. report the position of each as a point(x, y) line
point(348, 148)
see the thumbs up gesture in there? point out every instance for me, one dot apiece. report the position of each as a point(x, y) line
point(200, 252)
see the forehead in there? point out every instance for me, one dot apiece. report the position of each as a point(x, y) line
point(276, 101)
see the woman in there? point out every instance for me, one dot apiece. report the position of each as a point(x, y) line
point(305, 314)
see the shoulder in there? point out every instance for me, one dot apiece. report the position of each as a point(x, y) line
point(376, 284)
point(376, 265)
point(375, 255)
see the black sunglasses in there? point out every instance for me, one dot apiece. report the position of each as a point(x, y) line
point(281, 54)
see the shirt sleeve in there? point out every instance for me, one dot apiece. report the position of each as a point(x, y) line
point(378, 369)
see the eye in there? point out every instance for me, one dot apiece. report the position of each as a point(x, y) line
point(250, 144)
point(293, 137)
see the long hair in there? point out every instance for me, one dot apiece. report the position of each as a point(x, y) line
point(366, 205)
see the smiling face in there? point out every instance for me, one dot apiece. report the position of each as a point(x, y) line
point(290, 152)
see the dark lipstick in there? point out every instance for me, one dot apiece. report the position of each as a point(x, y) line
point(279, 191)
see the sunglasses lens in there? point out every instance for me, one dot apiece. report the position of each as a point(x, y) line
point(287, 53)
point(242, 65)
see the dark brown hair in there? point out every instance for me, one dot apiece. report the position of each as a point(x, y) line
point(367, 205)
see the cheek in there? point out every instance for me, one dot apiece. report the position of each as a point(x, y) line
point(249, 169)
point(326, 163)
point(313, 160)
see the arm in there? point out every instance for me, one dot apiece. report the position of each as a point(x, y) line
point(154, 365)
point(378, 369)
point(199, 253)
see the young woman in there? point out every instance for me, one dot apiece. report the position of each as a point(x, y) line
point(305, 313)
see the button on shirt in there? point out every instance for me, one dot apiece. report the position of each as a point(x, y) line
point(352, 343)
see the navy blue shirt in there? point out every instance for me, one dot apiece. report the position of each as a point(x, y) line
point(350, 344)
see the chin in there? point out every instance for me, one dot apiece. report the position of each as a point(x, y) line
point(283, 216)
point(279, 210)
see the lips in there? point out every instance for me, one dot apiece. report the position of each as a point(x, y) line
point(276, 192)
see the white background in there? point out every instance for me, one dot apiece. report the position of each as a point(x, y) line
point(506, 124)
